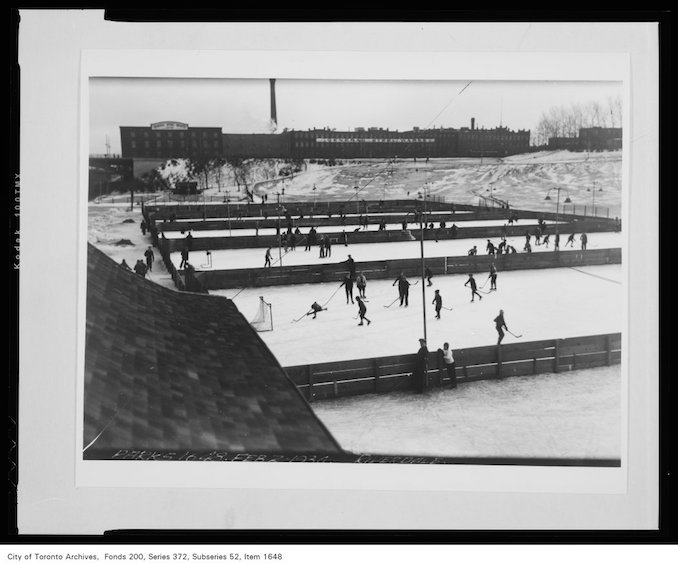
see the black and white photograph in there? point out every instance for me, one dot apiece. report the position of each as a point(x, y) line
point(313, 286)
point(341, 269)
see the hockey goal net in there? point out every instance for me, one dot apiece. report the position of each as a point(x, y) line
point(263, 320)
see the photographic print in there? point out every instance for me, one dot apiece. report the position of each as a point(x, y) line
point(355, 271)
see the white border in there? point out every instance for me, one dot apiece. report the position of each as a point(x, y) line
point(264, 495)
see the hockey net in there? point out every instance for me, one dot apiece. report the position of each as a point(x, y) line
point(263, 321)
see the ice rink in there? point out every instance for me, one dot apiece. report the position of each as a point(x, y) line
point(539, 304)
point(567, 415)
point(254, 257)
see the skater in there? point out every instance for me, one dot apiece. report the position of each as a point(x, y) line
point(267, 262)
point(348, 287)
point(351, 266)
point(184, 257)
point(545, 242)
point(448, 358)
point(311, 239)
point(501, 248)
point(293, 242)
point(490, 247)
point(150, 257)
point(556, 242)
point(570, 240)
point(420, 367)
point(500, 325)
point(316, 309)
point(124, 265)
point(493, 277)
point(471, 282)
point(362, 309)
point(584, 239)
point(328, 246)
point(403, 289)
point(322, 243)
point(361, 284)
point(344, 238)
point(438, 302)
point(527, 247)
point(382, 225)
point(143, 227)
point(473, 251)
point(140, 268)
point(428, 274)
point(189, 241)
point(537, 236)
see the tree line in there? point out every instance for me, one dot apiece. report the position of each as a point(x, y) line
point(565, 121)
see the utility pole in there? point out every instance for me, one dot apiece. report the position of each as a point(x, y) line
point(423, 267)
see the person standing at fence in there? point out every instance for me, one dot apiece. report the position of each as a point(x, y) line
point(490, 247)
point(556, 241)
point(351, 266)
point(584, 239)
point(124, 265)
point(428, 274)
point(328, 247)
point(500, 325)
point(184, 257)
point(362, 309)
point(420, 367)
point(347, 283)
point(473, 251)
point(293, 242)
point(438, 302)
point(361, 284)
point(471, 282)
point(267, 259)
point(150, 257)
point(450, 366)
point(189, 241)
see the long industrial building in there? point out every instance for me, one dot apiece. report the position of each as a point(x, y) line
point(172, 139)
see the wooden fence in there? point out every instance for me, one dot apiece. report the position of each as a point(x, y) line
point(411, 267)
point(394, 373)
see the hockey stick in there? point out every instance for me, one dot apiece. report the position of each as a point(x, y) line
point(516, 335)
point(396, 299)
point(307, 314)
point(447, 308)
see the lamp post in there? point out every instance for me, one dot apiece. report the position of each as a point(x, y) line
point(567, 200)
point(423, 195)
point(228, 209)
point(279, 231)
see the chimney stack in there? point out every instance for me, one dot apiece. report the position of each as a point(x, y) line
point(473, 123)
point(274, 115)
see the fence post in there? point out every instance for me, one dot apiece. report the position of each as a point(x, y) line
point(375, 368)
point(499, 360)
point(441, 368)
point(608, 343)
point(556, 353)
point(310, 383)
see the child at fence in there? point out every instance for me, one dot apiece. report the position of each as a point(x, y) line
point(450, 365)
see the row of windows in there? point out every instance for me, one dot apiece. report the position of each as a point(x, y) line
point(180, 144)
point(158, 134)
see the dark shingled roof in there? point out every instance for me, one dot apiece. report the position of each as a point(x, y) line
point(170, 371)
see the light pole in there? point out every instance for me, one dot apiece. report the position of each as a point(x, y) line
point(423, 195)
point(279, 232)
point(357, 201)
point(228, 209)
point(567, 200)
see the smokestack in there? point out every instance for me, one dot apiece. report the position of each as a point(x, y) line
point(274, 115)
point(473, 123)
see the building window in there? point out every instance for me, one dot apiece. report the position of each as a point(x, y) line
point(132, 134)
point(134, 144)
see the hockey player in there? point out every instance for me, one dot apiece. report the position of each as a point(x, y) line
point(570, 240)
point(490, 247)
point(500, 325)
point(361, 284)
point(471, 282)
point(347, 283)
point(184, 257)
point(493, 277)
point(316, 309)
point(403, 289)
point(267, 259)
point(438, 302)
point(473, 251)
point(428, 274)
point(362, 309)
point(351, 266)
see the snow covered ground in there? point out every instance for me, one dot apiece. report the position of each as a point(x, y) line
point(254, 257)
point(539, 304)
point(566, 415)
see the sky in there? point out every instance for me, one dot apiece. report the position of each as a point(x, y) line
point(243, 106)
